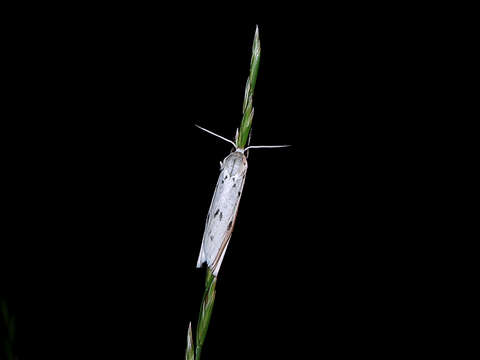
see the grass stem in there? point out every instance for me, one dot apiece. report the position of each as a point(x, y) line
point(208, 299)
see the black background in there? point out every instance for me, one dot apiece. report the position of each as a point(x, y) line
point(109, 183)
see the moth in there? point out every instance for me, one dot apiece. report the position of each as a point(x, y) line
point(224, 206)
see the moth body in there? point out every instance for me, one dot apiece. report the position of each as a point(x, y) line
point(223, 210)
point(224, 206)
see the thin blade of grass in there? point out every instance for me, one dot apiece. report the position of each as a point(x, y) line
point(208, 299)
point(205, 312)
point(248, 109)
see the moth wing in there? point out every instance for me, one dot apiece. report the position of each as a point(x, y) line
point(229, 199)
point(218, 262)
point(218, 218)
point(221, 218)
point(202, 257)
point(223, 248)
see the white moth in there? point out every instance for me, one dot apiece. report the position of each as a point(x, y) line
point(224, 206)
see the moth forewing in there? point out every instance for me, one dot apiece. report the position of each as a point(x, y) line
point(223, 211)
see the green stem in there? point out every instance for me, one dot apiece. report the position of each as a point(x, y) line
point(211, 281)
point(205, 311)
point(248, 98)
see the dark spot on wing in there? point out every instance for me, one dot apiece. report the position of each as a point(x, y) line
point(234, 184)
point(221, 215)
point(239, 193)
point(216, 213)
point(229, 226)
point(211, 237)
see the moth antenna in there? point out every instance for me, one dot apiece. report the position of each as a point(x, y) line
point(221, 137)
point(266, 147)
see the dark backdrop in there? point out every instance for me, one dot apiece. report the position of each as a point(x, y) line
point(108, 184)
